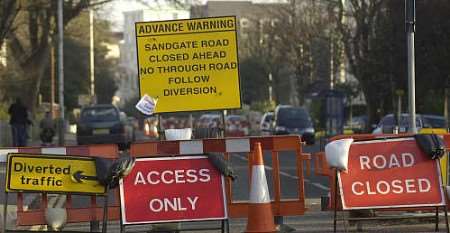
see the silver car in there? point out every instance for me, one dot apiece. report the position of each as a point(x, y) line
point(389, 122)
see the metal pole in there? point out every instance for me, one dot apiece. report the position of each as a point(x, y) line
point(5, 213)
point(410, 20)
point(52, 82)
point(61, 126)
point(91, 53)
point(446, 93)
point(335, 199)
point(223, 128)
point(270, 88)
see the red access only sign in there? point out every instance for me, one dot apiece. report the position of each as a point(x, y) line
point(390, 173)
point(172, 189)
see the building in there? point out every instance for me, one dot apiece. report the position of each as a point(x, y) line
point(128, 85)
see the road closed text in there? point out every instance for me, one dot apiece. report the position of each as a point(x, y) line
point(395, 186)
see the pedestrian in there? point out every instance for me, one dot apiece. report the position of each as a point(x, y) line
point(19, 122)
point(47, 126)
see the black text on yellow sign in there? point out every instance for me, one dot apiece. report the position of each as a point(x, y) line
point(189, 65)
point(50, 173)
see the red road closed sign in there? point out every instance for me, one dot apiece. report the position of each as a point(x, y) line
point(390, 173)
point(172, 189)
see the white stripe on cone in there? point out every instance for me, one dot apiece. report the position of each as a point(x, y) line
point(259, 192)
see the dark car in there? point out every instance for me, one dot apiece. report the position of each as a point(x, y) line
point(293, 120)
point(102, 124)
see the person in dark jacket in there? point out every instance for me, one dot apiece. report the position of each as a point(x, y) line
point(19, 122)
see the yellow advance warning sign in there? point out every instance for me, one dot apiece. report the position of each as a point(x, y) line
point(189, 65)
point(51, 173)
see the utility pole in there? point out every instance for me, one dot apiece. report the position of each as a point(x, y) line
point(410, 21)
point(270, 89)
point(446, 115)
point(52, 82)
point(61, 125)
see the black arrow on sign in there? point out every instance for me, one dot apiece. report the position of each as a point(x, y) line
point(79, 177)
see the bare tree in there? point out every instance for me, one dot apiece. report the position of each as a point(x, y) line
point(8, 12)
point(35, 30)
point(357, 23)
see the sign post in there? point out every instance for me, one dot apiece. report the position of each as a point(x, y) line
point(189, 65)
point(172, 189)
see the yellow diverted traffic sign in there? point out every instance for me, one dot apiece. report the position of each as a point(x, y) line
point(51, 173)
point(189, 65)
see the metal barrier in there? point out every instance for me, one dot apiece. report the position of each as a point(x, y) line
point(94, 212)
point(321, 166)
point(228, 146)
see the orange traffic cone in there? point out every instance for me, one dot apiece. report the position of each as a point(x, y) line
point(260, 216)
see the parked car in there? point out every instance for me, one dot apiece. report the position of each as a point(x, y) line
point(237, 126)
point(103, 123)
point(358, 124)
point(208, 121)
point(208, 126)
point(293, 120)
point(423, 121)
point(265, 123)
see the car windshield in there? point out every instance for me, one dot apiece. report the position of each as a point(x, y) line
point(99, 114)
point(433, 122)
point(294, 118)
point(389, 121)
point(235, 118)
point(268, 118)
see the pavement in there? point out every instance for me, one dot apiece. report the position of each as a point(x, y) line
point(314, 220)
point(69, 138)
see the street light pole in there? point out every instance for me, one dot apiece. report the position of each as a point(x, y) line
point(91, 54)
point(61, 125)
point(270, 88)
point(410, 20)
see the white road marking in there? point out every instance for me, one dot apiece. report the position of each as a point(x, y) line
point(315, 184)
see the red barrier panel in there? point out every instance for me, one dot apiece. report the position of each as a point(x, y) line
point(322, 168)
point(227, 146)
